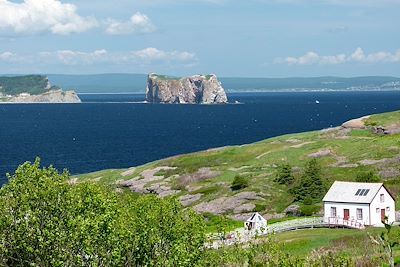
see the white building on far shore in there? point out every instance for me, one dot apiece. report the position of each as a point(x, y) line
point(359, 203)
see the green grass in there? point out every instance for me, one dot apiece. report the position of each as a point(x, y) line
point(220, 224)
point(384, 119)
point(303, 242)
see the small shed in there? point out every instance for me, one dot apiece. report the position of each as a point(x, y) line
point(361, 203)
point(255, 222)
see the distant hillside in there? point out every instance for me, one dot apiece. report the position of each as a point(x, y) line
point(32, 84)
point(102, 83)
point(136, 83)
point(204, 180)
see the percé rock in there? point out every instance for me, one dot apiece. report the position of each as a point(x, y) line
point(198, 89)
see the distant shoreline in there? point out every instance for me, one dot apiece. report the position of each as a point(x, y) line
point(263, 91)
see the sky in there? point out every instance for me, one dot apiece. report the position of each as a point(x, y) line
point(231, 38)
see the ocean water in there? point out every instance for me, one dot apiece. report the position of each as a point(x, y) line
point(118, 131)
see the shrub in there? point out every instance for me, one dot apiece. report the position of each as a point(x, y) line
point(45, 221)
point(367, 177)
point(239, 182)
point(308, 210)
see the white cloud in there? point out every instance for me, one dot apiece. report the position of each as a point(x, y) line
point(154, 54)
point(138, 23)
point(357, 56)
point(32, 16)
point(69, 57)
point(145, 56)
point(7, 56)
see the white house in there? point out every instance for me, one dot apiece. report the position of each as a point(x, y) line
point(255, 222)
point(359, 203)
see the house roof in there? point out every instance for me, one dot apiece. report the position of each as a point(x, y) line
point(351, 192)
point(256, 217)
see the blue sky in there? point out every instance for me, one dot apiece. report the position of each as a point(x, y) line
point(252, 38)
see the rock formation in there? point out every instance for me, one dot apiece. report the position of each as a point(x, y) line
point(33, 89)
point(198, 89)
point(52, 96)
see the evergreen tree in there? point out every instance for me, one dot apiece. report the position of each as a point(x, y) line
point(310, 184)
point(284, 174)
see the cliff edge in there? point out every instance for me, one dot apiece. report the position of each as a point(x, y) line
point(33, 89)
point(198, 89)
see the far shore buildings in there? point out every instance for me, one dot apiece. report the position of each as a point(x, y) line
point(359, 203)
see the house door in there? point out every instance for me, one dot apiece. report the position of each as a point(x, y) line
point(383, 214)
point(346, 214)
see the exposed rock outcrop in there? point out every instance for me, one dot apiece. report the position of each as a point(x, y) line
point(198, 89)
point(53, 96)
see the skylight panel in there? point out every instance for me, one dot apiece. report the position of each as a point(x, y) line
point(362, 192)
point(366, 192)
point(358, 192)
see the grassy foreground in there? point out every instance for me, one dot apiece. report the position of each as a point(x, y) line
point(342, 153)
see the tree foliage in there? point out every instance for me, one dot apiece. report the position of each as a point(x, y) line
point(239, 182)
point(45, 221)
point(367, 177)
point(284, 174)
point(310, 184)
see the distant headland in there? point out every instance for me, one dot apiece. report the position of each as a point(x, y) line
point(198, 89)
point(33, 89)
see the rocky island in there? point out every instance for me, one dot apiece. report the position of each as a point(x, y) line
point(33, 89)
point(198, 89)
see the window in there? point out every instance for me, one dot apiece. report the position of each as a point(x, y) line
point(382, 198)
point(359, 214)
point(377, 210)
point(362, 192)
point(333, 211)
point(387, 208)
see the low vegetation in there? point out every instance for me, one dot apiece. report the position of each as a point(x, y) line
point(32, 84)
point(46, 219)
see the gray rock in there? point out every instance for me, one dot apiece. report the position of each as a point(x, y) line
point(244, 208)
point(187, 200)
point(196, 89)
point(293, 210)
point(52, 96)
point(227, 203)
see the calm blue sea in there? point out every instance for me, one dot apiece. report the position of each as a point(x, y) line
point(114, 131)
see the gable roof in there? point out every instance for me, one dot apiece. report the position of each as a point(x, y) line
point(256, 217)
point(351, 192)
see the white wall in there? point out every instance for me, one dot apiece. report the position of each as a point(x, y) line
point(352, 208)
point(376, 204)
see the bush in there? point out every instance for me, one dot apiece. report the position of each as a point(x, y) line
point(308, 210)
point(239, 182)
point(45, 221)
point(367, 177)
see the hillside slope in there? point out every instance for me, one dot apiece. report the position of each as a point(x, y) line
point(203, 180)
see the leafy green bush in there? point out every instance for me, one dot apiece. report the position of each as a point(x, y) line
point(45, 221)
point(239, 182)
point(308, 210)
